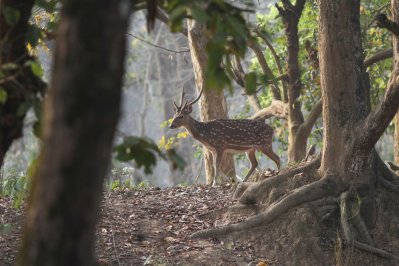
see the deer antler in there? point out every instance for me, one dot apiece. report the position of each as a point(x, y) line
point(186, 103)
point(182, 97)
point(180, 107)
point(196, 99)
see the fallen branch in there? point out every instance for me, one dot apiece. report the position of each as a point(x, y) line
point(307, 193)
point(277, 108)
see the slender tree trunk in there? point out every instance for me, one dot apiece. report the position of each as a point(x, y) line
point(20, 84)
point(213, 103)
point(297, 141)
point(396, 55)
point(80, 120)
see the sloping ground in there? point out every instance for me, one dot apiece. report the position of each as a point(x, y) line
point(151, 227)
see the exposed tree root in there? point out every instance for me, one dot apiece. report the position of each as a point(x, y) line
point(255, 192)
point(362, 228)
point(385, 172)
point(349, 236)
point(388, 184)
point(307, 193)
point(254, 208)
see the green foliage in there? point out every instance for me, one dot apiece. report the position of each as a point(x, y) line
point(117, 185)
point(250, 82)
point(374, 40)
point(47, 5)
point(198, 151)
point(3, 95)
point(15, 186)
point(15, 183)
point(145, 152)
point(226, 29)
point(35, 67)
point(142, 150)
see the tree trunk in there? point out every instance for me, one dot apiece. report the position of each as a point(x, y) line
point(345, 87)
point(80, 120)
point(213, 102)
point(396, 55)
point(298, 129)
point(396, 140)
point(19, 84)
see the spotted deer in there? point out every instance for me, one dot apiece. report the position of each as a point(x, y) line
point(226, 135)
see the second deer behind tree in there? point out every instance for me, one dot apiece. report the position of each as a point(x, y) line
point(226, 135)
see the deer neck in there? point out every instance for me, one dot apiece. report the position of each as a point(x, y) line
point(195, 127)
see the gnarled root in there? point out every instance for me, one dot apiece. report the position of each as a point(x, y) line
point(388, 184)
point(254, 192)
point(386, 177)
point(349, 238)
point(237, 208)
point(307, 193)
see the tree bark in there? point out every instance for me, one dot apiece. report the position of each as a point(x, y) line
point(395, 12)
point(80, 120)
point(396, 140)
point(345, 88)
point(20, 84)
point(213, 102)
point(290, 15)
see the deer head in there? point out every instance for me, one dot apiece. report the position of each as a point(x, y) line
point(183, 111)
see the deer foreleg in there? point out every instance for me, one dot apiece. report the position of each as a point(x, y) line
point(217, 158)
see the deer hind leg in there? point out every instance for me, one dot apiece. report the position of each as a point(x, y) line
point(254, 163)
point(268, 151)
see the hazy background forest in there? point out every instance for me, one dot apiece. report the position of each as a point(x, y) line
point(158, 65)
point(323, 74)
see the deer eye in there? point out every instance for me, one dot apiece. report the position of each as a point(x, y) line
point(180, 117)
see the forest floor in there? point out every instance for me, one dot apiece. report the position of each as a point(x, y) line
point(151, 226)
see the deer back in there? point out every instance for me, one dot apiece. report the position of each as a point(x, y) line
point(235, 133)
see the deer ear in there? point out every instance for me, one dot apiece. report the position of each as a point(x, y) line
point(174, 109)
point(188, 109)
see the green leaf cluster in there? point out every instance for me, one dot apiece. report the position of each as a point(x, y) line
point(226, 30)
point(142, 150)
point(145, 152)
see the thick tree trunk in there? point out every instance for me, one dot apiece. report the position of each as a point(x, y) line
point(80, 119)
point(345, 88)
point(20, 83)
point(213, 103)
